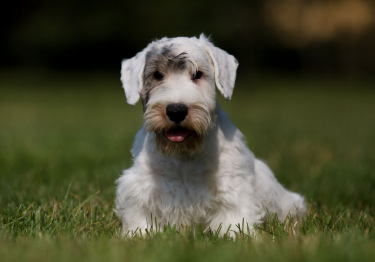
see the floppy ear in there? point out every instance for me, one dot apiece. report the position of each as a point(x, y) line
point(132, 76)
point(225, 66)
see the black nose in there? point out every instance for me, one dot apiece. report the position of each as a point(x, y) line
point(177, 112)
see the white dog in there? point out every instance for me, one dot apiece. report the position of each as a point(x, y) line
point(191, 164)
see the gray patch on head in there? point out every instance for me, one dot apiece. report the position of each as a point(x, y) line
point(162, 59)
point(167, 50)
point(151, 53)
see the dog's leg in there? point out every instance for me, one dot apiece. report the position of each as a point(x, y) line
point(275, 197)
point(131, 201)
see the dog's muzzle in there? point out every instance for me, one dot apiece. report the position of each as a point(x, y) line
point(177, 113)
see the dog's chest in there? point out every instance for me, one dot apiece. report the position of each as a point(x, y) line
point(183, 200)
point(182, 185)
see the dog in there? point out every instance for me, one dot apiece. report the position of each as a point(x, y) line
point(191, 164)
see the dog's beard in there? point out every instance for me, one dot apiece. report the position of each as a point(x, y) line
point(196, 124)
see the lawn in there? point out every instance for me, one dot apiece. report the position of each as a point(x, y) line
point(65, 137)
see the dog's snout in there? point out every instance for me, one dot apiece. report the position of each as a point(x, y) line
point(177, 112)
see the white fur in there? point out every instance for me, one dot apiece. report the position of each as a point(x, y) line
point(221, 184)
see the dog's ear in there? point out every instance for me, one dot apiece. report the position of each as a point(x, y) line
point(132, 76)
point(225, 66)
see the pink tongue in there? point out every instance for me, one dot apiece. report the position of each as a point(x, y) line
point(177, 135)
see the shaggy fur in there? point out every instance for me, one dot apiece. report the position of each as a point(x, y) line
point(210, 177)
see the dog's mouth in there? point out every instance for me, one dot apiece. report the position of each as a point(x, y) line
point(177, 134)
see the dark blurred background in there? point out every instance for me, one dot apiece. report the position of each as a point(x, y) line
point(329, 37)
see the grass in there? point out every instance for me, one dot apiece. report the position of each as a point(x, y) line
point(64, 139)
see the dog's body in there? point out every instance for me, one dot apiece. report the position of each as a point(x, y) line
point(191, 164)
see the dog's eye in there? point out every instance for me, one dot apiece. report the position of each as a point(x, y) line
point(158, 75)
point(197, 75)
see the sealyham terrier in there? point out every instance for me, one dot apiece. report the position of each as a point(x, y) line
point(191, 164)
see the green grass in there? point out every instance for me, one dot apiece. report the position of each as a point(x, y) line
point(64, 139)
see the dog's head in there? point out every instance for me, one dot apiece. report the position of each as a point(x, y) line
point(175, 79)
